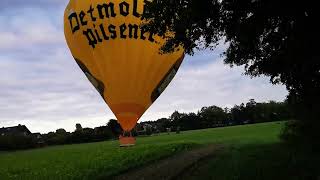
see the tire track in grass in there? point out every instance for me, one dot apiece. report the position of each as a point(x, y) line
point(172, 167)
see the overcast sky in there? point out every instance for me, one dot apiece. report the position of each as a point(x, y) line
point(42, 87)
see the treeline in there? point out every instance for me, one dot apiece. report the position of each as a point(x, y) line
point(81, 135)
point(214, 116)
point(206, 117)
point(16, 142)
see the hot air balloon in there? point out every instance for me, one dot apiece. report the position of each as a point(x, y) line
point(119, 57)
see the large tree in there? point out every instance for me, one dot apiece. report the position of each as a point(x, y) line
point(275, 38)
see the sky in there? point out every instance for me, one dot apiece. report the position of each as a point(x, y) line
point(42, 87)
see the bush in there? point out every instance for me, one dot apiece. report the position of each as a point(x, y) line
point(17, 142)
point(178, 130)
point(290, 132)
point(302, 133)
point(148, 131)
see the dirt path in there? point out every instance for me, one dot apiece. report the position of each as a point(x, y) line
point(171, 167)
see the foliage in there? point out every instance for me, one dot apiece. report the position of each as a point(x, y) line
point(83, 135)
point(16, 142)
point(115, 127)
point(278, 39)
point(301, 134)
point(213, 116)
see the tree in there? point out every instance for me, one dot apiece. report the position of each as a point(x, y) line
point(278, 39)
point(188, 122)
point(61, 131)
point(16, 141)
point(212, 116)
point(102, 133)
point(162, 124)
point(238, 114)
point(115, 127)
point(175, 116)
point(251, 111)
point(78, 127)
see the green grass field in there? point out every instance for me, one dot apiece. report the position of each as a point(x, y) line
point(249, 149)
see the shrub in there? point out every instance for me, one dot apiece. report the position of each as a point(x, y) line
point(301, 133)
point(17, 142)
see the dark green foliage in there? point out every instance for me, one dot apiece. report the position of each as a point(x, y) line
point(61, 136)
point(289, 133)
point(162, 124)
point(80, 135)
point(16, 142)
point(305, 134)
point(261, 112)
point(178, 130)
point(115, 127)
point(213, 116)
point(194, 22)
point(103, 133)
point(278, 39)
point(148, 130)
point(83, 136)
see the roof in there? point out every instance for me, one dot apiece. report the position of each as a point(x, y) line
point(15, 129)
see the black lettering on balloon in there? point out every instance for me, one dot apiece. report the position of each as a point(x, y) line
point(109, 31)
point(124, 8)
point(133, 31)
point(73, 18)
point(82, 15)
point(90, 11)
point(97, 34)
point(151, 37)
point(143, 31)
point(92, 40)
point(105, 37)
point(112, 31)
point(123, 28)
point(135, 8)
point(105, 10)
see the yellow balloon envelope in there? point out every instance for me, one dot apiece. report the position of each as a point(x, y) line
point(118, 56)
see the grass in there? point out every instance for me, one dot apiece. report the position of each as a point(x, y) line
point(248, 146)
point(257, 162)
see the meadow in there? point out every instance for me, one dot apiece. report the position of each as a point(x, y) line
point(250, 151)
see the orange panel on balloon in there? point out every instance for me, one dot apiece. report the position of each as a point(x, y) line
point(118, 56)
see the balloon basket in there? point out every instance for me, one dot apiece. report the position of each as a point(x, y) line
point(127, 141)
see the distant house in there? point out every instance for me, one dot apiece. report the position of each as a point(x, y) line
point(39, 139)
point(147, 126)
point(145, 129)
point(37, 135)
point(20, 130)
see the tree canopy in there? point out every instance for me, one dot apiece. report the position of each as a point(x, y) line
point(278, 39)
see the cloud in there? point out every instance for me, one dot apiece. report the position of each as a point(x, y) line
point(212, 83)
point(16, 4)
point(42, 87)
point(52, 90)
point(30, 28)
